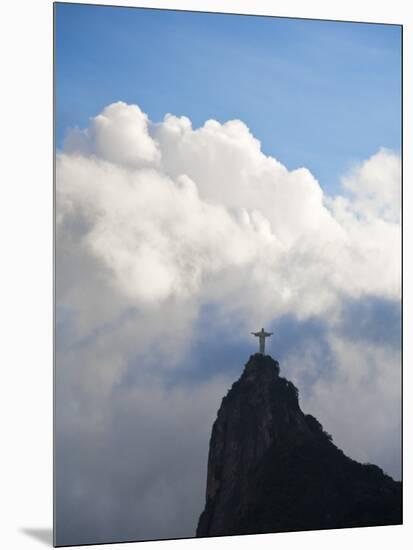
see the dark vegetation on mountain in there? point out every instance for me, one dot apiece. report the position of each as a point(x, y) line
point(272, 468)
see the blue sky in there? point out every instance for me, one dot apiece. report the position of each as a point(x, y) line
point(316, 93)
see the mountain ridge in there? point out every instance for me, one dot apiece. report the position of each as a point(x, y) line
point(272, 468)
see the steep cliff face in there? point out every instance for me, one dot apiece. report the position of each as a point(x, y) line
point(272, 468)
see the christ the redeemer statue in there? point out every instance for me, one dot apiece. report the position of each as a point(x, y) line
point(262, 335)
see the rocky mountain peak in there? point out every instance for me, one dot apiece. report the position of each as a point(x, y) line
point(273, 468)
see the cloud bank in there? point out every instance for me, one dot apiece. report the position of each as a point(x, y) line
point(172, 240)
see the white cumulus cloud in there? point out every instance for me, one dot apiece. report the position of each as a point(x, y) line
point(169, 211)
point(155, 223)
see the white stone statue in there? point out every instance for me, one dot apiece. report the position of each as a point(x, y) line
point(262, 335)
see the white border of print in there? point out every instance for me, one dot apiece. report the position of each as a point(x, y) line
point(26, 282)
